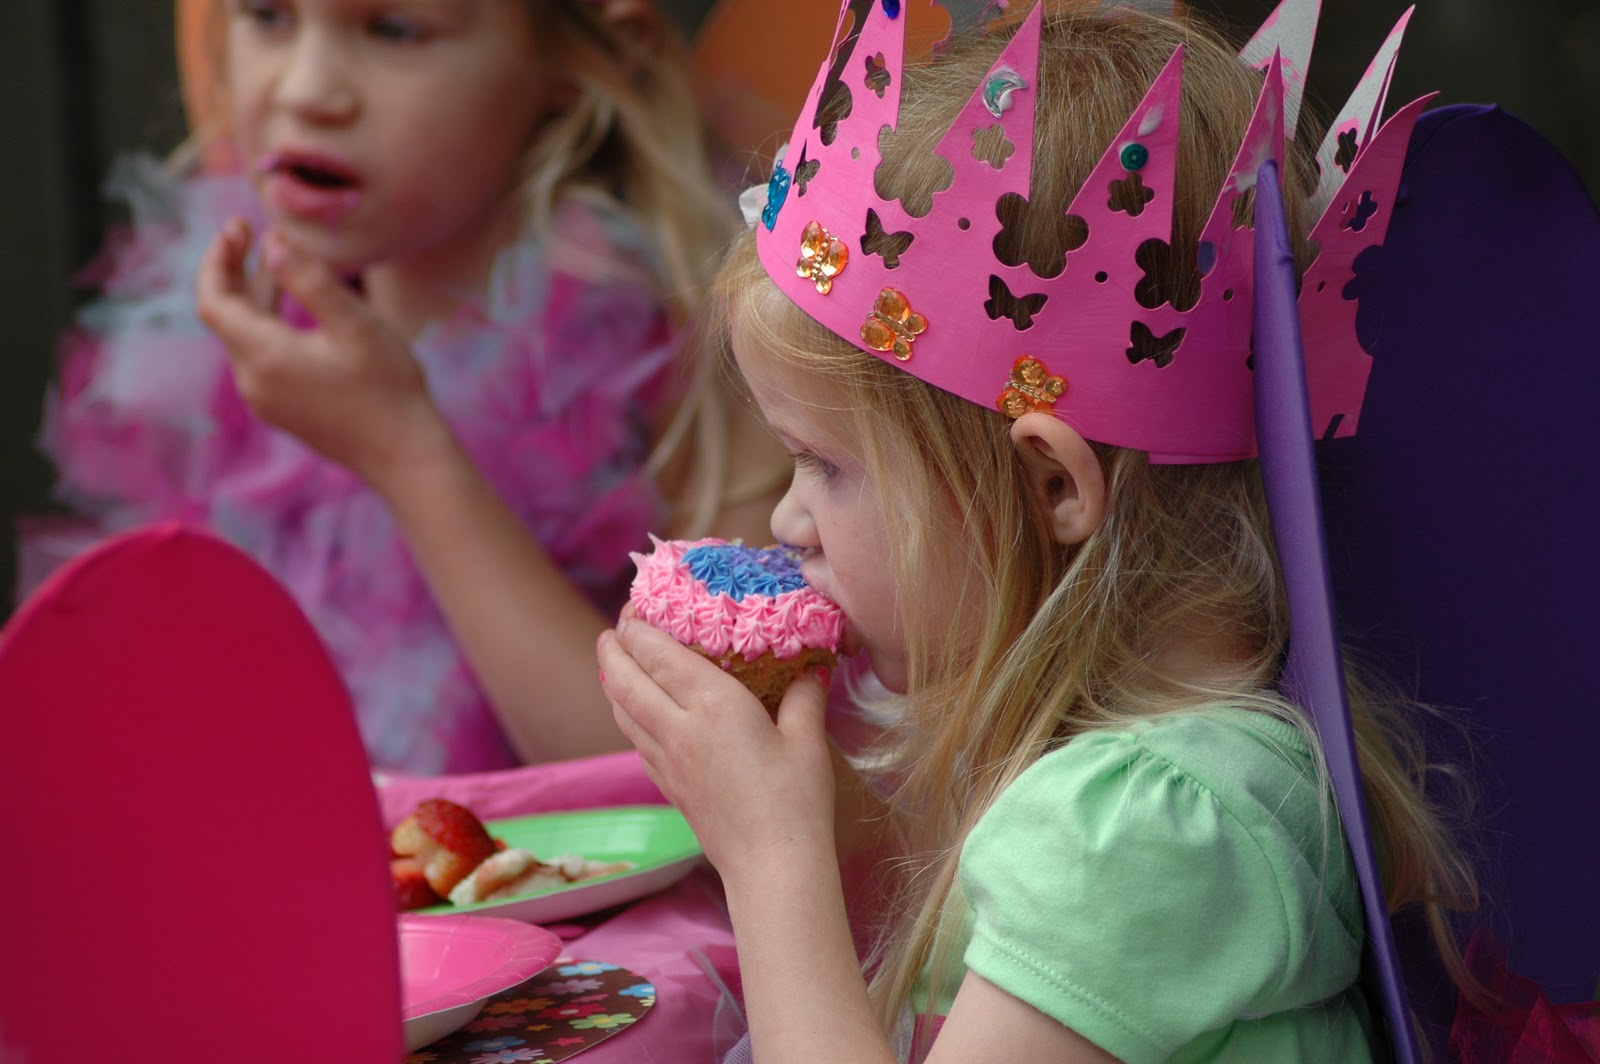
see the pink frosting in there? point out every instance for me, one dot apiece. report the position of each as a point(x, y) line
point(667, 595)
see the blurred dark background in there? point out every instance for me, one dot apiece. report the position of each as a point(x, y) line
point(84, 80)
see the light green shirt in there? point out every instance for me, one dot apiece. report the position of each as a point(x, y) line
point(1176, 890)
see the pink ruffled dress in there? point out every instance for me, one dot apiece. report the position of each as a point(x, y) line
point(551, 383)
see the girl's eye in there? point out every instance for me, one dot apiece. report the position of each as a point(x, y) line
point(266, 14)
point(398, 29)
point(816, 464)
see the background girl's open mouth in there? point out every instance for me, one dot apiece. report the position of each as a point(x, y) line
point(311, 187)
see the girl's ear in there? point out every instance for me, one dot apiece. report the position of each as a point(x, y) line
point(1064, 474)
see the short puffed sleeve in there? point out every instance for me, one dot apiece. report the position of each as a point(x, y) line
point(1152, 886)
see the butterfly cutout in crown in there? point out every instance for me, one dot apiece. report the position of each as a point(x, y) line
point(1175, 381)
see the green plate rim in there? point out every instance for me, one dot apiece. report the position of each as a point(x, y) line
point(677, 848)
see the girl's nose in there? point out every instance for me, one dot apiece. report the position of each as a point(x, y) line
point(792, 523)
point(315, 83)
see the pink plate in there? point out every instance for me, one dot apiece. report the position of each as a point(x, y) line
point(451, 965)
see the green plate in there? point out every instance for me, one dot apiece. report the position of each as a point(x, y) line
point(654, 839)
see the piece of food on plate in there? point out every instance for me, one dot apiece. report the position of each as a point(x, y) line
point(746, 608)
point(445, 839)
point(515, 871)
point(411, 888)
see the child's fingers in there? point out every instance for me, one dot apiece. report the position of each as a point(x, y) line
point(224, 305)
point(651, 756)
point(222, 266)
point(688, 678)
point(315, 287)
point(641, 740)
point(652, 775)
point(262, 290)
point(804, 709)
point(633, 693)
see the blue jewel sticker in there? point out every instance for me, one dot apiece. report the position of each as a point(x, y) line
point(735, 570)
point(999, 89)
point(891, 8)
point(1134, 156)
point(777, 192)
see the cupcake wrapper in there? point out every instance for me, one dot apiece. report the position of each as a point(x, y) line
point(769, 676)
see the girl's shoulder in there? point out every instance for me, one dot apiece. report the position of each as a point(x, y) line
point(574, 312)
point(1175, 876)
point(594, 238)
point(1216, 793)
point(1221, 787)
point(585, 281)
point(1239, 755)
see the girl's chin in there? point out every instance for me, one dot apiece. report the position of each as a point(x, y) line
point(338, 251)
point(891, 674)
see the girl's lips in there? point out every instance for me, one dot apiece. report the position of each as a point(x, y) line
point(309, 202)
point(308, 186)
point(812, 572)
point(314, 167)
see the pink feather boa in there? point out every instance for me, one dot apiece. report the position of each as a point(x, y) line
point(551, 382)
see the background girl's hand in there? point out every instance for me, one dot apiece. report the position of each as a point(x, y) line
point(753, 790)
point(349, 388)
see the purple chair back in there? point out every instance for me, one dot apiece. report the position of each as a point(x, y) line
point(1314, 672)
point(1454, 532)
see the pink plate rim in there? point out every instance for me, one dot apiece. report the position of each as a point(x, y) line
point(517, 951)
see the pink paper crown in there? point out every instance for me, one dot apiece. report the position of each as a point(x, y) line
point(929, 295)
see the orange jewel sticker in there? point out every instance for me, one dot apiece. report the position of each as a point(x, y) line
point(822, 257)
point(893, 325)
point(1031, 387)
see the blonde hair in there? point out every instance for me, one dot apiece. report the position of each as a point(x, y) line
point(630, 143)
point(1056, 641)
point(633, 139)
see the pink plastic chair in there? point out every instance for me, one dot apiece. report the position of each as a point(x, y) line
point(195, 868)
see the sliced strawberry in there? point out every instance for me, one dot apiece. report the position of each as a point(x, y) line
point(455, 828)
point(411, 887)
point(446, 839)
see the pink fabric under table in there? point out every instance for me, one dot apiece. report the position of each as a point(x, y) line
point(679, 938)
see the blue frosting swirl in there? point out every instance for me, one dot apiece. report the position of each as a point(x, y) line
point(735, 570)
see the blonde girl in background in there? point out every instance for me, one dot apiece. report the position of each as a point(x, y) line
point(486, 229)
point(1117, 836)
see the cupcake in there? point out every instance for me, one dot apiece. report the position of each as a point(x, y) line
point(747, 609)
